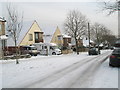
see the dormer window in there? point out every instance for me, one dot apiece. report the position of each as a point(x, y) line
point(59, 37)
point(38, 37)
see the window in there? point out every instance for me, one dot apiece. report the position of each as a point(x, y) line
point(45, 47)
point(42, 47)
point(51, 47)
point(30, 37)
point(36, 35)
point(59, 37)
point(116, 51)
point(40, 36)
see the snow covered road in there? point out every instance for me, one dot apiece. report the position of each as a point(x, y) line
point(64, 71)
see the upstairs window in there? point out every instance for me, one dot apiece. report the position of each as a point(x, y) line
point(30, 37)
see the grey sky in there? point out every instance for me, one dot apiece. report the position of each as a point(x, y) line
point(52, 14)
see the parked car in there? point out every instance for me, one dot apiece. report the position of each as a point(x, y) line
point(32, 50)
point(93, 51)
point(111, 47)
point(115, 58)
point(11, 50)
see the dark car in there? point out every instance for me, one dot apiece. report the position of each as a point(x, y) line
point(115, 58)
point(93, 51)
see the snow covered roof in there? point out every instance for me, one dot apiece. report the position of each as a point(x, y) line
point(66, 36)
point(2, 19)
point(3, 37)
point(101, 45)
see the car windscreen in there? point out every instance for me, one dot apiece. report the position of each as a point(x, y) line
point(53, 47)
point(116, 51)
point(33, 48)
point(93, 49)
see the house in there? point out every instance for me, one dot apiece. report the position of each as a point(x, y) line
point(86, 43)
point(60, 39)
point(33, 35)
point(80, 44)
point(3, 37)
point(66, 40)
point(57, 37)
point(63, 41)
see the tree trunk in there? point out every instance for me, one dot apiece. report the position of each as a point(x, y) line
point(16, 55)
point(77, 46)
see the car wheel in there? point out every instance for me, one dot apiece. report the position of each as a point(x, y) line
point(35, 54)
point(31, 54)
point(111, 65)
point(53, 53)
point(89, 53)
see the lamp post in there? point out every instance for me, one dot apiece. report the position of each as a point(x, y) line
point(119, 23)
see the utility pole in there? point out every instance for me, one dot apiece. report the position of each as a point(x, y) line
point(119, 23)
point(89, 33)
point(97, 36)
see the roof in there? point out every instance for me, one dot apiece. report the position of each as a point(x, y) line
point(66, 36)
point(56, 33)
point(3, 37)
point(47, 29)
point(2, 19)
point(25, 28)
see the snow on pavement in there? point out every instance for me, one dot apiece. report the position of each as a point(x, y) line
point(110, 75)
point(37, 68)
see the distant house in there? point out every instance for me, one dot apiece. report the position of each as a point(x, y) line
point(33, 35)
point(80, 44)
point(60, 39)
point(57, 37)
point(86, 43)
point(66, 40)
point(3, 37)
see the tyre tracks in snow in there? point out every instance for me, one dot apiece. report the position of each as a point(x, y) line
point(83, 77)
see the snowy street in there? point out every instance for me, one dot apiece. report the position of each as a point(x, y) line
point(61, 71)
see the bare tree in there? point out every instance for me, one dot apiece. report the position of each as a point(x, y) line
point(14, 25)
point(75, 26)
point(100, 34)
point(111, 6)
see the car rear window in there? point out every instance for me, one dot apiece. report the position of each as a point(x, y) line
point(116, 51)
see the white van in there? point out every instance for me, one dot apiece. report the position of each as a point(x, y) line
point(47, 48)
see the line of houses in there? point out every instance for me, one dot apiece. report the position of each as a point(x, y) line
point(32, 33)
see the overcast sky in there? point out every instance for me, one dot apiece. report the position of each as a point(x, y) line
point(52, 14)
